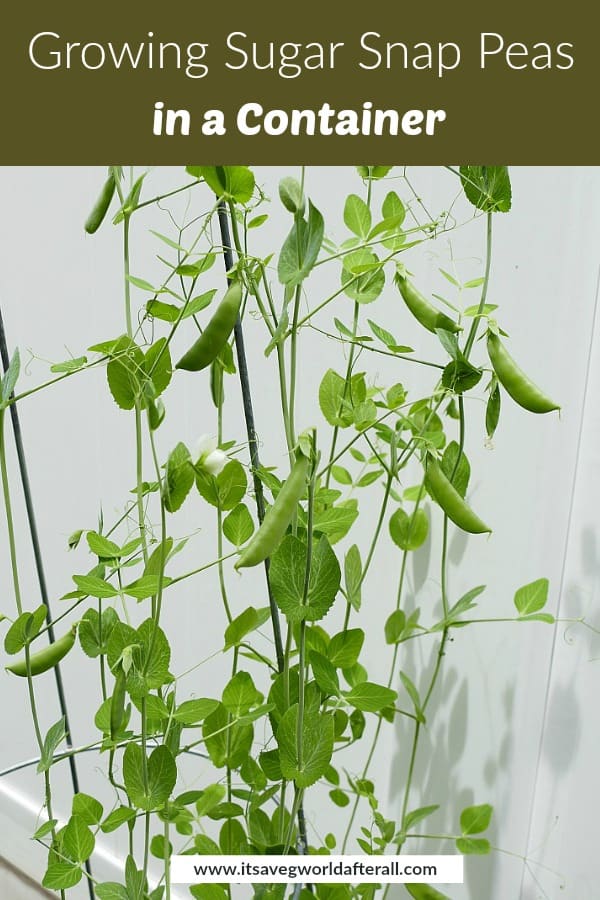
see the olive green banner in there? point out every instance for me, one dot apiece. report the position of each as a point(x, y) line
point(322, 83)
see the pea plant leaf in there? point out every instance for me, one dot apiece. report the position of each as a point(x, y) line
point(60, 876)
point(425, 892)
point(487, 187)
point(301, 248)
point(344, 648)
point(236, 182)
point(316, 745)
point(245, 623)
point(409, 532)
point(226, 489)
point(238, 526)
point(179, 478)
point(369, 697)
point(532, 597)
point(55, 736)
point(161, 776)
point(475, 819)
point(24, 629)
point(357, 216)
point(353, 577)
point(125, 372)
point(287, 573)
point(78, 840)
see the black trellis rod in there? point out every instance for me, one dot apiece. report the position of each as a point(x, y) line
point(39, 566)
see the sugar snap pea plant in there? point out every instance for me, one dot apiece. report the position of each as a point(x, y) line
point(298, 714)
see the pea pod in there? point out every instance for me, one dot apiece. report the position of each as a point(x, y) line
point(424, 312)
point(47, 658)
point(278, 517)
point(451, 502)
point(514, 380)
point(96, 217)
point(216, 334)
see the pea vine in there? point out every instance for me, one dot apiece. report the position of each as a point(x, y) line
point(299, 701)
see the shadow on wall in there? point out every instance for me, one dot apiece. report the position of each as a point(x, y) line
point(442, 746)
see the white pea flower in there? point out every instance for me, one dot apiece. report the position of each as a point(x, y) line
point(209, 457)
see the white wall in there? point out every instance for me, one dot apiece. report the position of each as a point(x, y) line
point(515, 721)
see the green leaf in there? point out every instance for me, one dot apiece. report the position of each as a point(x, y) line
point(150, 660)
point(69, 365)
point(290, 194)
point(475, 819)
point(532, 597)
point(394, 626)
point(179, 478)
point(339, 797)
point(316, 745)
point(325, 674)
point(102, 547)
point(336, 521)
point(95, 587)
point(94, 633)
point(125, 372)
point(110, 890)
point(425, 892)
point(331, 400)
point(344, 648)
point(417, 815)
point(413, 693)
point(479, 846)
point(357, 216)
point(236, 182)
point(62, 876)
point(87, 808)
point(287, 573)
point(159, 848)
point(460, 376)
point(227, 744)
point(158, 366)
point(363, 278)
point(353, 577)
point(373, 172)
point(240, 694)
point(45, 829)
point(116, 818)
point(487, 187)
point(341, 475)
point(301, 248)
point(238, 526)
point(409, 532)
point(55, 736)
point(77, 839)
point(24, 629)
point(369, 697)
point(162, 775)
point(227, 488)
point(538, 617)
point(211, 797)
point(146, 586)
point(456, 472)
point(243, 624)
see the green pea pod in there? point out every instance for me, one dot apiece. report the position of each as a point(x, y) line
point(448, 498)
point(96, 217)
point(424, 312)
point(117, 704)
point(278, 517)
point(216, 334)
point(47, 658)
point(515, 381)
